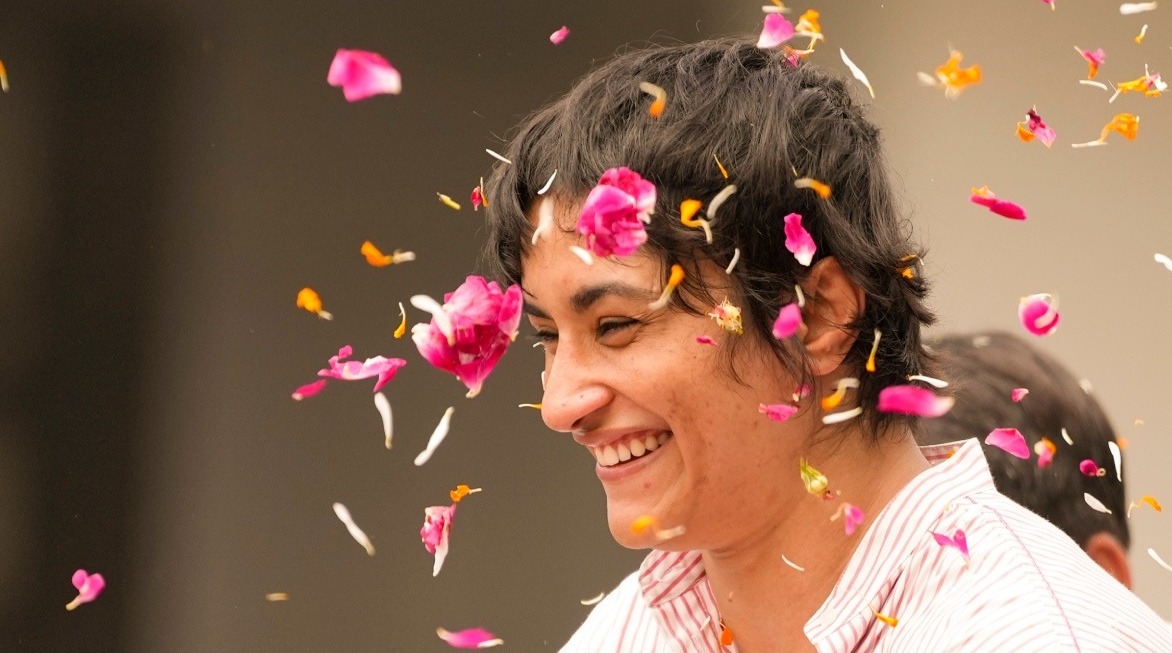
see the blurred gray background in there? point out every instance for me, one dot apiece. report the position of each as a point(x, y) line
point(173, 171)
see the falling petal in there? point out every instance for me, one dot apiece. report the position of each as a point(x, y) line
point(801, 298)
point(1095, 503)
point(355, 532)
point(1045, 450)
point(705, 340)
point(958, 541)
point(775, 31)
point(660, 95)
point(1089, 467)
point(1149, 500)
point(373, 256)
point(537, 406)
point(987, 199)
point(308, 299)
point(4, 78)
point(648, 523)
point(1164, 261)
point(1033, 127)
point(88, 587)
point(1017, 394)
point(276, 596)
point(797, 240)
point(814, 480)
point(726, 635)
point(788, 322)
point(820, 189)
point(720, 166)
point(857, 72)
point(402, 328)
point(612, 218)
point(852, 517)
point(583, 254)
point(914, 400)
point(462, 491)
point(363, 74)
point(1087, 82)
point(676, 278)
point(791, 563)
point(1129, 8)
point(471, 638)
point(719, 199)
point(1094, 59)
point(1117, 458)
point(1039, 314)
point(890, 621)
point(548, 183)
point(381, 368)
point(1010, 441)
point(728, 317)
point(836, 418)
point(951, 77)
point(737, 256)
point(936, 383)
point(777, 412)
point(545, 220)
point(593, 600)
point(1139, 39)
point(437, 437)
point(449, 202)
point(1066, 437)
point(559, 35)
point(832, 401)
point(308, 390)
point(498, 156)
point(384, 410)
point(870, 367)
point(436, 533)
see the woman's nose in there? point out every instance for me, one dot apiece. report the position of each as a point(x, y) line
point(574, 391)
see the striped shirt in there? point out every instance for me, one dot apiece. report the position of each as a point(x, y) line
point(1026, 587)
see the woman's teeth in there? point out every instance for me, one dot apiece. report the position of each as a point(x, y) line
point(612, 454)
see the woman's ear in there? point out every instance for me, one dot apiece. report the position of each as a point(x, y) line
point(833, 301)
point(1104, 549)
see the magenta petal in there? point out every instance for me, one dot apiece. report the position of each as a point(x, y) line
point(363, 74)
point(1038, 314)
point(777, 412)
point(471, 638)
point(1010, 441)
point(788, 321)
point(958, 541)
point(798, 240)
point(612, 216)
point(79, 578)
point(1018, 394)
point(913, 400)
point(777, 30)
point(560, 35)
point(309, 389)
point(437, 527)
point(1088, 467)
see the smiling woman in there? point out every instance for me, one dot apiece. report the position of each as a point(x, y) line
point(735, 462)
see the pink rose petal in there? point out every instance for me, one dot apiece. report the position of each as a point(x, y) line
point(777, 30)
point(1039, 129)
point(470, 331)
point(987, 199)
point(309, 389)
point(379, 367)
point(777, 412)
point(1010, 441)
point(798, 240)
point(437, 526)
point(788, 321)
point(1018, 394)
point(560, 35)
point(614, 213)
point(913, 400)
point(471, 638)
point(852, 517)
point(1045, 450)
point(363, 74)
point(705, 340)
point(958, 541)
point(88, 586)
point(1089, 467)
point(1038, 314)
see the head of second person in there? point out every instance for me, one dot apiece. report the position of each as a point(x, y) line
point(984, 369)
point(621, 373)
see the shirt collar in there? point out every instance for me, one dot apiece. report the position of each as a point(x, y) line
point(959, 469)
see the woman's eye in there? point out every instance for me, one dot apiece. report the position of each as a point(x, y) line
point(544, 337)
point(608, 328)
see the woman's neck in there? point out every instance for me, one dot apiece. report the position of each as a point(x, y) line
point(764, 600)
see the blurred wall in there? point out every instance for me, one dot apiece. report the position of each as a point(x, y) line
point(172, 172)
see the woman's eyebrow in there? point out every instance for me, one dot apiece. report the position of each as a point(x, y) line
point(586, 297)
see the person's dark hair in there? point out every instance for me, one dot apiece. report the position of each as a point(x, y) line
point(765, 117)
point(984, 369)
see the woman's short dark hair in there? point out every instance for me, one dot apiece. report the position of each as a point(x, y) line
point(769, 119)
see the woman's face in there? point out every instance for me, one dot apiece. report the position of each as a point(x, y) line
point(673, 434)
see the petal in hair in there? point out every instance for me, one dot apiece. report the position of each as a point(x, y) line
point(777, 412)
point(777, 30)
point(798, 240)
